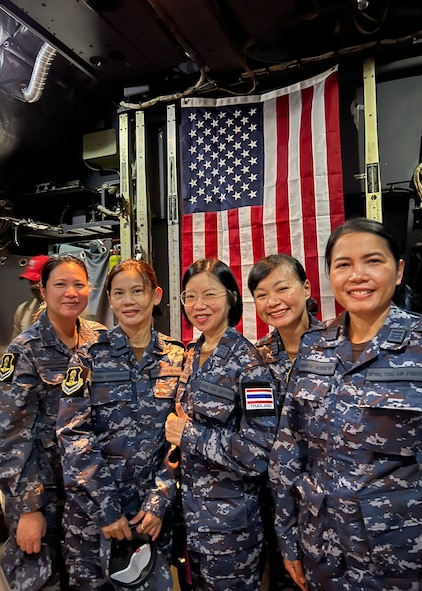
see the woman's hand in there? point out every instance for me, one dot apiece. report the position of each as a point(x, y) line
point(150, 524)
point(118, 529)
point(31, 528)
point(175, 424)
point(295, 570)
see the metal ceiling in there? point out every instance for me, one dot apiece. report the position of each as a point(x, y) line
point(117, 40)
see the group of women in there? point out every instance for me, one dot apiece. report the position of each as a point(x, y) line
point(323, 418)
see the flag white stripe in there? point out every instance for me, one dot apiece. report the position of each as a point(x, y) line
point(294, 185)
point(270, 167)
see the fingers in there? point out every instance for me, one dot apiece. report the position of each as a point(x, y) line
point(180, 412)
point(31, 528)
point(172, 458)
point(151, 525)
point(118, 529)
point(295, 570)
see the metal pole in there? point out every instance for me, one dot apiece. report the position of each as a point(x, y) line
point(126, 190)
point(173, 225)
point(142, 246)
point(373, 176)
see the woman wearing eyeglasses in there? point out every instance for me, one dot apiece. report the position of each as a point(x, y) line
point(225, 424)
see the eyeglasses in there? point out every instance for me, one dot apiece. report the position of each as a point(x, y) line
point(189, 298)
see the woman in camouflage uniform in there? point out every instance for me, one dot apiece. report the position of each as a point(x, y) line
point(31, 373)
point(116, 397)
point(281, 293)
point(225, 424)
point(345, 466)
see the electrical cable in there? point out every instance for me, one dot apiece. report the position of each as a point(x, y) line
point(166, 98)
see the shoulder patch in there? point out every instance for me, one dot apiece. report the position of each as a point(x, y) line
point(170, 341)
point(7, 366)
point(258, 399)
point(74, 381)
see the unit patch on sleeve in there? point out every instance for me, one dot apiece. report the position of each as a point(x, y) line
point(74, 381)
point(258, 398)
point(7, 366)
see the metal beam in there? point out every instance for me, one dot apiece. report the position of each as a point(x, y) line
point(143, 238)
point(126, 189)
point(372, 176)
point(173, 225)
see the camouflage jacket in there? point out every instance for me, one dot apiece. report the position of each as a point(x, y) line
point(346, 457)
point(226, 444)
point(111, 425)
point(272, 351)
point(31, 374)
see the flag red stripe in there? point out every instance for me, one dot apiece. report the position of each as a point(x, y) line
point(210, 235)
point(187, 243)
point(258, 249)
point(282, 179)
point(334, 168)
point(235, 262)
point(308, 193)
point(187, 258)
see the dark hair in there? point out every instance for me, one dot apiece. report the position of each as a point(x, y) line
point(145, 270)
point(57, 260)
point(267, 264)
point(225, 275)
point(356, 225)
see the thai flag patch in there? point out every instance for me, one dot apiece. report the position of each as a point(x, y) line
point(258, 398)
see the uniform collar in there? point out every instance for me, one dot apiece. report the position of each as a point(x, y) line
point(393, 335)
point(48, 335)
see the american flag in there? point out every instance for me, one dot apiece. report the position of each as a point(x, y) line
point(261, 175)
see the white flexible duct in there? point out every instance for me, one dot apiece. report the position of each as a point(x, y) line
point(32, 93)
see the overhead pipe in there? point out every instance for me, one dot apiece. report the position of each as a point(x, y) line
point(32, 93)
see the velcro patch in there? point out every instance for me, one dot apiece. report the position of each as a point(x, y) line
point(8, 366)
point(74, 381)
point(258, 398)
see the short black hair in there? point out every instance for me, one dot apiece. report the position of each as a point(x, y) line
point(225, 275)
point(361, 224)
point(266, 265)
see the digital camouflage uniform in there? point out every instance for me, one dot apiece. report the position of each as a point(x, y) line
point(111, 434)
point(344, 467)
point(224, 453)
point(272, 351)
point(31, 374)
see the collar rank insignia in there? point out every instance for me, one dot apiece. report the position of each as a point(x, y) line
point(7, 366)
point(73, 381)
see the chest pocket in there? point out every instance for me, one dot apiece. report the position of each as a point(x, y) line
point(391, 410)
point(311, 396)
point(313, 380)
point(111, 399)
point(52, 375)
point(396, 388)
point(213, 403)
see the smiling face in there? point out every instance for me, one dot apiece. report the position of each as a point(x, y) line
point(133, 300)
point(213, 318)
point(280, 298)
point(364, 274)
point(66, 291)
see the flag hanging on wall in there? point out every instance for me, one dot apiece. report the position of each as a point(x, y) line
point(263, 175)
